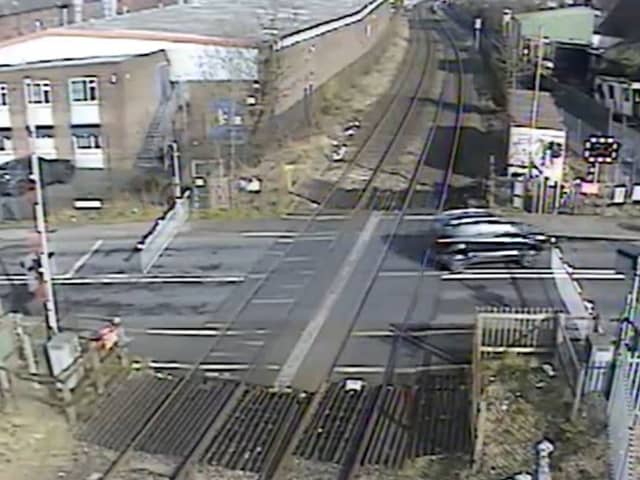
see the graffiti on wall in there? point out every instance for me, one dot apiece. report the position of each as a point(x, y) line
point(540, 151)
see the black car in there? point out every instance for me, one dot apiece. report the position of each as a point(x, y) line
point(15, 174)
point(487, 240)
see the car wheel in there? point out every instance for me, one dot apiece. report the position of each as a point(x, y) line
point(527, 259)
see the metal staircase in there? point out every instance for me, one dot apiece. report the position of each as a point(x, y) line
point(159, 132)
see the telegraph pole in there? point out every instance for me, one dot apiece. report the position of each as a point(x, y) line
point(51, 315)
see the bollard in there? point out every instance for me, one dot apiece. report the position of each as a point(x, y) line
point(544, 449)
point(96, 370)
point(69, 409)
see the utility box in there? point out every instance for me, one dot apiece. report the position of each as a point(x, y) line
point(62, 350)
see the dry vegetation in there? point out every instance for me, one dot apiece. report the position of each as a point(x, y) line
point(35, 442)
point(524, 406)
point(307, 158)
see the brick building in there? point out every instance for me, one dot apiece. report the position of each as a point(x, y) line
point(113, 93)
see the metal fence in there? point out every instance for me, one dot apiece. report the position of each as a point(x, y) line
point(584, 116)
point(623, 412)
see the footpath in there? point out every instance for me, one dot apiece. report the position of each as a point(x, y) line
point(585, 227)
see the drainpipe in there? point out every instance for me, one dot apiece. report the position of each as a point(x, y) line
point(109, 8)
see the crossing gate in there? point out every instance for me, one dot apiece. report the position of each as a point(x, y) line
point(163, 231)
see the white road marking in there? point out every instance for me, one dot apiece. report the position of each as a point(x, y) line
point(274, 301)
point(287, 235)
point(299, 352)
point(130, 280)
point(207, 367)
point(359, 370)
point(84, 259)
point(201, 332)
point(297, 259)
point(417, 216)
point(307, 216)
point(419, 333)
point(535, 276)
point(269, 234)
point(501, 274)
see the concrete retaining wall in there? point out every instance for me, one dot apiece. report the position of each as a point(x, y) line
point(334, 70)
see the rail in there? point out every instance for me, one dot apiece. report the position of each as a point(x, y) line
point(373, 410)
point(397, 128)
point(375, 402)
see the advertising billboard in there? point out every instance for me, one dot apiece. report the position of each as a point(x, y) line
point(541, 150)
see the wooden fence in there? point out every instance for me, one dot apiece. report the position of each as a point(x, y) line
point(522, 331)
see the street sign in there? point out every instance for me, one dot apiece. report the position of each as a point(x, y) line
point(601, 149)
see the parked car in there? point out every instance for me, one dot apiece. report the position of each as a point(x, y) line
point(487, 240)
point(15, 174)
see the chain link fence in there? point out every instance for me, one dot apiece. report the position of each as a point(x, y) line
point(584, 116)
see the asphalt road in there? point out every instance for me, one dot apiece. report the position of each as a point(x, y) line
point(178, 314)
point(269, 328)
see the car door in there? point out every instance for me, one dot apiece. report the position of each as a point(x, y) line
point(497, 242)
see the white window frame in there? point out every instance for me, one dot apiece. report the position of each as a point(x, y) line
point(90, 90)
point(38, 92)
point(4, 95)
point(95, 142)
point(5, 143)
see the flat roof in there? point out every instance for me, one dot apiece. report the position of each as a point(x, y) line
point(12, 7)
point(521, 106)
point(570, 24)
point(246, 19)
point(75, 62)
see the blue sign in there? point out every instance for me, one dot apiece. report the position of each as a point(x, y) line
point(226, 122)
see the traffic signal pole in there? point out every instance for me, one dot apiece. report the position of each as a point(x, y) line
point(51, 315)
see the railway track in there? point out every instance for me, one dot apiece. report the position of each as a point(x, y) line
point(178, 418)
point(357, 426)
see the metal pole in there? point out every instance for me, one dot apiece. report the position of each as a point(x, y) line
point(634, 292)
point(232, 148)
point(536, 93)
point(41, 229)
point(177, 182)
point(492, 180)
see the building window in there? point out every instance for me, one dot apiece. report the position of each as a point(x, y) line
point(38, 92)
point(5, 143)
point(44, 132)
point(83, 90)
point(612, 92)
point(4, 95)
point(87, 141)
point(627, 94)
